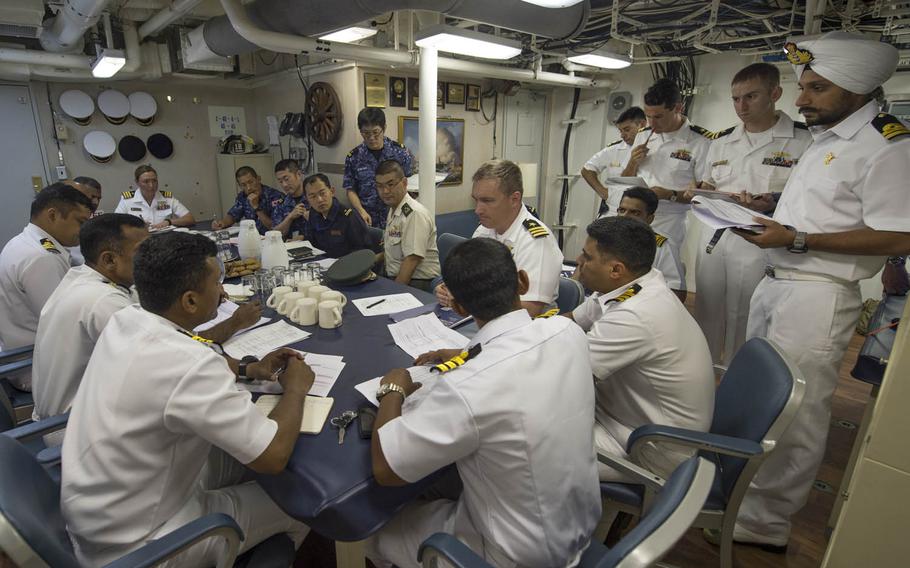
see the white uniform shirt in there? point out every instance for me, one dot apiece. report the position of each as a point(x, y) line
point(539, 255)
point(151, 405)
point(31, 265)
point(650, 360)
point(70, 325)
point(530, 479)
point(850, 178)
point(674, 161)
point(164, 205)
point(759, 162)
point(668, 263)
point(410, 229)
point(608, 163)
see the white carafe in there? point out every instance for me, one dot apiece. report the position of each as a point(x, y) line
point(248, 240)
point(274, 253)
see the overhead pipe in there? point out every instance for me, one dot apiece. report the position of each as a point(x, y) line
point(37, 57)
point(426, 176)
point(166, 17)
point(63, 33)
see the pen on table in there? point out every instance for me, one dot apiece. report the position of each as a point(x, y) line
point(374, 304)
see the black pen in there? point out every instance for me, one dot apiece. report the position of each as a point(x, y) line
point(374, 304)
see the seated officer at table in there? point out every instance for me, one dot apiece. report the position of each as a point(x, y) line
point(331, 227)
point(513, 413)
point(254, 201)
point(157, 419)
point(34, 262)
point(159, 209)
point(409, 241)
point(650, 360)
point(290, 213)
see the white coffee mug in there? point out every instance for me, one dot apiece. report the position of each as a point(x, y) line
point(334, 296)
point(277, 293)
point(305, 311)
point(329, 315)
point(305, 285)
point(287, 302)
point(316, 291)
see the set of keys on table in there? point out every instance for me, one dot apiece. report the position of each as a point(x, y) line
point(341, 422)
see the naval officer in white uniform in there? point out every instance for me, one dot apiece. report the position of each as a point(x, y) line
point(610, 162)
point(843, 211)
point(159, 209)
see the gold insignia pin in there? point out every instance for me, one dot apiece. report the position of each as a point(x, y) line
point(828, 157)
point(797, 56)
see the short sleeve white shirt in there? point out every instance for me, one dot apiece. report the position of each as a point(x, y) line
point(674, 161)
point(759, 162)
point(539, 256)
point(152, 403)
point(668, 263)
point(411, 230)
point(850, 178)
point(609, 163)
point(530, 480)
point(31, 265)
point(70, 325)
point(650, 359)
point(163, 206)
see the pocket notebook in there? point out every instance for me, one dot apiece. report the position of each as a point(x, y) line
point(315, 411)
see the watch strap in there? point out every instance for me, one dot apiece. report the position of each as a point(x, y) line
point(389, 388)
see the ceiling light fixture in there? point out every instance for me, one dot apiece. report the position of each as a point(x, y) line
point(107, 63)
point(467, 42)
point(554, 3)
point(603, 59)
point(350, 35)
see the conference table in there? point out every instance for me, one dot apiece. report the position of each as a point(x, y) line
point(328, 486)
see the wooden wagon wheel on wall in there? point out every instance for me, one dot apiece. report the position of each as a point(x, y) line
point(324, 116)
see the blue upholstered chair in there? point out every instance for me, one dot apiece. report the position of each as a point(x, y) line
point(571, 294)
point(674, 509)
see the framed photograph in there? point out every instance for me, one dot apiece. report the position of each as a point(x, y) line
point(374, 90)
point(413, 94)
point(449, 145)
point(455, 93)
point(397, 92)
point(440, 94)
point(472, 98)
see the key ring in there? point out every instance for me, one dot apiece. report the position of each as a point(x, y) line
point(344, 419)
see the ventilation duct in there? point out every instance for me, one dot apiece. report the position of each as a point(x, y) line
point(21, 18)
point(317, 17)
point(63, 32)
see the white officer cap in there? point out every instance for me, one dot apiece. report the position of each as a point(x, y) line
point(850, 61)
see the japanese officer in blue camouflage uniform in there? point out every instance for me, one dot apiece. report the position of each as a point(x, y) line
point(330, 226)
point(361, 163)
point(254, 201)
point(289, 215)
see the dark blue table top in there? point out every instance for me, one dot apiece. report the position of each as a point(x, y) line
point(330, 487)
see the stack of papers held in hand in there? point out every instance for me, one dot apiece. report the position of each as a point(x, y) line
point(718, 214)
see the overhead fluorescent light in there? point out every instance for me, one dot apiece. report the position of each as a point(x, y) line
point(350, 35)
point(107, 63)
point(554, 3)
point(603, 59)
point(467, 42)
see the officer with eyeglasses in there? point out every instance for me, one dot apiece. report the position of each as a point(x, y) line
point(361, 163)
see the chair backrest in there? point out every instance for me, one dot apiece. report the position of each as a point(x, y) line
point(446, 242)
point(571, 294)
point(30, 520)
point(675, 509)
point(756, 400)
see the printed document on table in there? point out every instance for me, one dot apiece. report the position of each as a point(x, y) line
point(263, 340)
point(388, 304)
point(225, 311)
point(425, 333)
point(420, 375)
point(315, 411)
point(717, 214)
point(327, 369)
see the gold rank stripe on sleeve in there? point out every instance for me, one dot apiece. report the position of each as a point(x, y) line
point(630, 291)
point(458, 360)
point(659, 239)
point(128, 194)
point(889, 126)
point(548, 314)
point(48, 245)
point(537, 230)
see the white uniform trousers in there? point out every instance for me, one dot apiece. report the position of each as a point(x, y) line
point(662, 459)
point(813, 323)
point(247, 503)
point(725, 281)
point(672, 225)
point(397, 543)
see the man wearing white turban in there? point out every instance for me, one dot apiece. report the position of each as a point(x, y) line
point(843, 211)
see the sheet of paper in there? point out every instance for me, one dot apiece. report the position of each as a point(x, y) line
point(413, 312)
point(225, 311)
point(263, 340)
point(425, 333)
point(718, 214)
point(420, 375)
point(315, 411)
point(388, 304)
point(327, 369)
point(713, 194)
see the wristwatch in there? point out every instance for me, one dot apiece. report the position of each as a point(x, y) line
point(241, 368)
point(390, 387)
point(799, 245)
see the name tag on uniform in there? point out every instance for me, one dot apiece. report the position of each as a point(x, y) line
point(135, 208)
point(163, 206)
point(720, 163)
point(394, 233)
point(684, 155)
